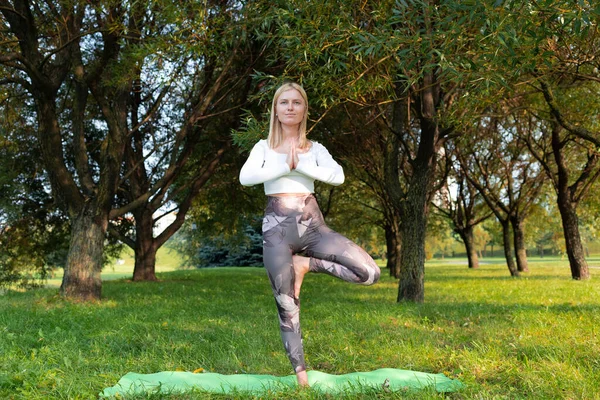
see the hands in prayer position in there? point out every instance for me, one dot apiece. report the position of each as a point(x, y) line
point(292, 155)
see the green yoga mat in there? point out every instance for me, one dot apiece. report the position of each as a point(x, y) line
point(387, 379)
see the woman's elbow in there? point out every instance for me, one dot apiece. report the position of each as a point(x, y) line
point(338, 179)
point(246, 180)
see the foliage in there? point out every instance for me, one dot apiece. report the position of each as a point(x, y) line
point(35, 245)
point(227, 250)
point(441, 239)
point(156, 59)
point(223, 219)
point(500, 336)
point(34, 231)
point(481, 236)
point(121, 95)
point(31, 251)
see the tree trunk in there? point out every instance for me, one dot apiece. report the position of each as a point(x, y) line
point(81, 280)
point(413, 208)
point(570, 222)
point(145, 262)
point(416, 210)
point(466, 235)
point(519, 241)
point(507, 248)
point(568, 213)
point(145, 248)
point(393, 245)
point(414, 224)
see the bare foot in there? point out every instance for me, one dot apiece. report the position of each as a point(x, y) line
point(302, 378)
point(301, 266)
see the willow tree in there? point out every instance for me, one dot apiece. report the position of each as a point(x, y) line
point(496, 162)
point(406, 63)
point(553, 57)
point(120, 90)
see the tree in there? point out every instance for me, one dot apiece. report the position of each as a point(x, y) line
point(347, 128)
point(556, 50)
point(119, 89)
point(201, 156)
point(572, 175)
point(408, 60)
point(508, 178)
point(33, 231)
point(464, 210)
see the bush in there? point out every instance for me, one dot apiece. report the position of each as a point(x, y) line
point(31, 249)
point(244, 251)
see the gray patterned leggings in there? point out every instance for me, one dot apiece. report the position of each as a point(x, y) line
point(294, 224)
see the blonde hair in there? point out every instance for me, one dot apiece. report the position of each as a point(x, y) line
point(275, 132)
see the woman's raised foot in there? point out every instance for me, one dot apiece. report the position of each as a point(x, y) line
point(301, 267)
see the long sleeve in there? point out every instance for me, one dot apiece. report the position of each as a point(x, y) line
point(259, 169)
point(318, 164)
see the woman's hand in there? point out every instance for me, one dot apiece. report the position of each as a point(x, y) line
point(296, 159)
point(292, 158)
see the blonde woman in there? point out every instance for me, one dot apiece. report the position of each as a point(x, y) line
point(295, 237)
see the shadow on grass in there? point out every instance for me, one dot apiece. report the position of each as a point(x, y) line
point(523, 276)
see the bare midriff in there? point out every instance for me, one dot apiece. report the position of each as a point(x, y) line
point(290, 194)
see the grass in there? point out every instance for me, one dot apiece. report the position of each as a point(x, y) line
point(504, 338)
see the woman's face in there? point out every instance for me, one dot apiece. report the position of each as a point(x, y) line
point(290, 108)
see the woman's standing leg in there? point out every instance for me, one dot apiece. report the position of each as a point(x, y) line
point(278, 241)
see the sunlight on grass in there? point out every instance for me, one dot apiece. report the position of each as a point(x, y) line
point(532, 337)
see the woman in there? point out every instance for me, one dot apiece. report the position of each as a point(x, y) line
point(288, 164)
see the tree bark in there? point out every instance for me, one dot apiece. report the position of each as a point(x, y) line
point(466, 235)
point(414, 209)
point(570, 223)
point(393, 245)
point(411, 286)
point(519, 242)
point(145, 248)
point(568, 213)
point(510, 262)
point(414, 224)
point(81, 280)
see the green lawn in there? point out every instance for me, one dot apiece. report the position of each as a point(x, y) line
point(534, 337)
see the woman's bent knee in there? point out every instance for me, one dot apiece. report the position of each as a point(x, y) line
point(374, 274)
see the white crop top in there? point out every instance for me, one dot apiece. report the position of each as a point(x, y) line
point(267, 166)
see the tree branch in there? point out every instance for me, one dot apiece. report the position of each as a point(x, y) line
point(585, 176)
point(576, 130)
point(18, 81)
point(113, 231)
point(187, 202)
